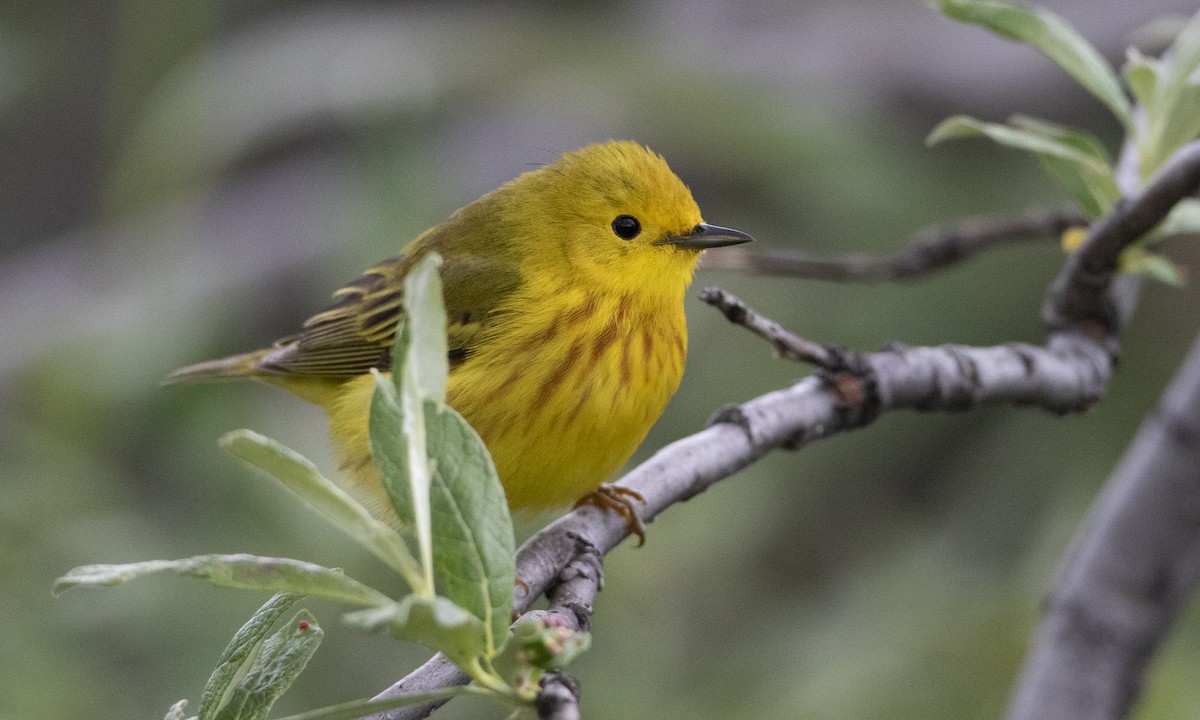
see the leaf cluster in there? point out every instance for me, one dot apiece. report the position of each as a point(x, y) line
point(454, 547)
point(1158, 104)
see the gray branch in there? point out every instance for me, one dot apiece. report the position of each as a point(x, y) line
point(931, 249)
point(1132, 565)
point(558, 698)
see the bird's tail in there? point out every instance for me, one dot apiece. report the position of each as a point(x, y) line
point(227, 368)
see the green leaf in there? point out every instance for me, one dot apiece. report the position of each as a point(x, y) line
point(537, 647)
point(300, 476)
point(549, 647)
point(390, 449)
point(1140, 261)
point(1054, 37)
point(1075, 159)
point(397, 430)
point(959, 126)
point(361, 708)
point(279, 662)
point(1173, 118)
point(473, 545)
point(1141, 75)
point(1183, 219)
point(245, 572)
point(176, 711)
point(424, 307)
point(240, 653)
point(420, 371)
point(1084, 142)
point(1093, 196)
point(437, 623)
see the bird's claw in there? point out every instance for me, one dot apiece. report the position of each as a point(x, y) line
point(621, 501)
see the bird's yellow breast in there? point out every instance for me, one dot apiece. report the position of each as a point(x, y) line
point(561, 392)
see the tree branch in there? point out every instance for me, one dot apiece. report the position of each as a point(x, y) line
point(1132, 566)
point(558, 698)
point(930, 249)
point(1077, 300)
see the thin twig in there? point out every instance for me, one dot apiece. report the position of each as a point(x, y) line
point(788, 345)
point(931, 249)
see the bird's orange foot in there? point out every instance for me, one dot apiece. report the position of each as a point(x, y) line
point(620, 500)
point(524, 586)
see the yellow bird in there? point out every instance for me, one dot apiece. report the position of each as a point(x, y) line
point(564, 296)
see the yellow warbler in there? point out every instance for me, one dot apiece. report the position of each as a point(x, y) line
point(564, 296)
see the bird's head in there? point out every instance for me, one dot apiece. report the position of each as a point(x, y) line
point(616, 211)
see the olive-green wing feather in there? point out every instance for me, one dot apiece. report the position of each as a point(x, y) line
point(357, 331)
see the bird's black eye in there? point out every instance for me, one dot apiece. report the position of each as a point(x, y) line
point(626, 227)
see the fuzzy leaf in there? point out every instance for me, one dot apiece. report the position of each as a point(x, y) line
point(437, 623)
point(1184, 218)
point(1084, 142)
point(1140, 261)
point(397, 429)
point(1173, 118)
point(1141, 75)
point(473, 545)
point(1075, 159)
point(1054, 37)
point(279, 662)
point(245, 572)
point(177, 711)
point(424, 307)
point(959, 126)
point(300, 476)
point(240, 653)
point(390, 449)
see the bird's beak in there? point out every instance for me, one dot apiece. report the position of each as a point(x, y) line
point(705, 236)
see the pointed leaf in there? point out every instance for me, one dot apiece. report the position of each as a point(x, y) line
point(424, 307)
point(390, 450)
point(1094, 196)
point(1141, 75)
point(1173, 118)
point(420, 370)
point(397, 430)
point(959, 126)
point(1054, 37)
point(240, 653)
point(1084, 142)
point(245, 572)
point(177, 711)
point(473, 545)
point(1138, 260)
point(437, 623)
point(279, 662)
point(1184, 218)
point(1096, 192)
point(1070, 157)
point(300, 476)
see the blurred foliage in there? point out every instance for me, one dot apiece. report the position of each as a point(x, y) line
point(187, 180)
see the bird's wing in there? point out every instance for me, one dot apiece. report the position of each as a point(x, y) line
point(357, 331)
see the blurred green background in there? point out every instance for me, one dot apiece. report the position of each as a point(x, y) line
point(185, 180)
